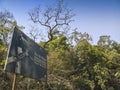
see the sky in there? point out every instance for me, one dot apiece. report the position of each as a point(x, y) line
point(96, 17)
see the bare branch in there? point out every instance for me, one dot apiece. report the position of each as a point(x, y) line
point(52, 18)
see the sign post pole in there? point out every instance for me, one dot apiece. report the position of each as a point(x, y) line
point(40, 85)
point(14, 80)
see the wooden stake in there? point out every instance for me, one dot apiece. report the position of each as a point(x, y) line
point(28, 85)
point(14, 80)
point(40, 85)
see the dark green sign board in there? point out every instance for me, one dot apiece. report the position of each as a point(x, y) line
point(25, 57)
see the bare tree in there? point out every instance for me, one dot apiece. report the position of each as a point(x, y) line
point(34, 33)
point(52, 18)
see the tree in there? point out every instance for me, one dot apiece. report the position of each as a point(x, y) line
point(52, 18)
point(113, 64)
point(59, 63)
point(116, 46)
point(6, 21)
point(90, 71)
point(77, 36)
point(34, 33)
point(105, 41)
point(83, 66)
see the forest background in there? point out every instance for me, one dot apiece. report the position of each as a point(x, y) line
point(74, 62)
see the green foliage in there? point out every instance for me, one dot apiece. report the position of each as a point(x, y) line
point(2, 54)
point(80, 67)
point(95, 69)
point(6, 24)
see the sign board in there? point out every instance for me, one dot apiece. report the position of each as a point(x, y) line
point(25, 57)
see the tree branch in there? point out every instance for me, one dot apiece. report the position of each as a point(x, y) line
point(51, 18)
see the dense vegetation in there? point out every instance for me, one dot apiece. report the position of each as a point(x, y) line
point(81, 66)
point(74, 63)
